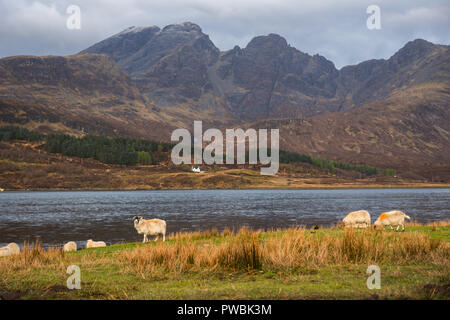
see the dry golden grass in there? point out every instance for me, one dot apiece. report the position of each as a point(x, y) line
point(246, 250)
point(293, 249)
point(195, 257)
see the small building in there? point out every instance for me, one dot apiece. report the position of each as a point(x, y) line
point(195, 169)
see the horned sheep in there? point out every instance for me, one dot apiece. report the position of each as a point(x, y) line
point(151, 227)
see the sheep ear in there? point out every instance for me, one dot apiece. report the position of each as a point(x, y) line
point(140, 217)
point(134, 217)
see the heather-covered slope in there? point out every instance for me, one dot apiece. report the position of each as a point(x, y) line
point(79, 93)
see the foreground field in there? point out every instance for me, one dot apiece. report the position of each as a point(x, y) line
point(280, 264)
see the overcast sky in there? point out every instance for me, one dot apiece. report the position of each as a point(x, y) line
point(335, 29)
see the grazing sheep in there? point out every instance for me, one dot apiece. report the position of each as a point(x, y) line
point(9, 250)
point(357, 219)
point(391, 218)
point(5, 251)
point(70, 246)
point(152, 227)
point(94, 244)
point(15, 249)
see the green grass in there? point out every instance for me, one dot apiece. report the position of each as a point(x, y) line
point(334, 282)
point(114, 273)
point(438, 232)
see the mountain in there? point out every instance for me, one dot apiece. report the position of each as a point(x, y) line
point(409, 131)
point(418, 62)
point(394, 112)
point(180, 66)
point(79, 93)
point(170, 66)
point(145, 81)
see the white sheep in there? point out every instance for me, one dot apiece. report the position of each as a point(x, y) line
point(357, 219)
point(391, 218)
point(152, 227)
point(70, 246)
point(14, 247)
point(9, 250)
point(5, 251)
point(94, 244)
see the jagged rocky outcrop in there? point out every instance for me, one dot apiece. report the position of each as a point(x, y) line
point(179, 65)
point(169, 65)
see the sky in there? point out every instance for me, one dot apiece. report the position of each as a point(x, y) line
point(335, 29)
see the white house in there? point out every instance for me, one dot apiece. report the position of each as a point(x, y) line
point(195, 169)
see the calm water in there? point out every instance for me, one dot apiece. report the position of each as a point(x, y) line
point(57, 217)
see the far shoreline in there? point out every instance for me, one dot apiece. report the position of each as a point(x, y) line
point(331, 187)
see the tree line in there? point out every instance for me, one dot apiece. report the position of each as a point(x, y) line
point(19, 133)
point(331, 165)
point(130, 151)
point(117, 150)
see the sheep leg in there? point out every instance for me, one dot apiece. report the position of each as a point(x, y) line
point(403, 227)
point(145, 238)
point(397, 228)
point(164, 237)
point(156, 239)
point(391, 227)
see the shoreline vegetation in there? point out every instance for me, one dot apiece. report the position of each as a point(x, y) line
point(321, 187)
point(293, 263)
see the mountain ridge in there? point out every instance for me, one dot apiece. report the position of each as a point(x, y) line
point(302, 84)
point(162, 78)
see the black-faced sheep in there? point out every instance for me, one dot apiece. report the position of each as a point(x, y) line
point(151, 227)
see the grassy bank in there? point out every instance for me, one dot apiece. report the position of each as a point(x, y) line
point(280, 264)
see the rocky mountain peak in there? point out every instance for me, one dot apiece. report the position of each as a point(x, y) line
point(271, 41)
point(413, 50)
point(134, 30)
point(417, 44)
point(183, 27)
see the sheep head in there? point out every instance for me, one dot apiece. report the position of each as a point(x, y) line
point(137, 219)
point(377, 225)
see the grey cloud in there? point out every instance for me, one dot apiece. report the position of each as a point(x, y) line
point(334, 29)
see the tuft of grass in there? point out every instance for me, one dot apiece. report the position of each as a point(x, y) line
point(242, 253)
